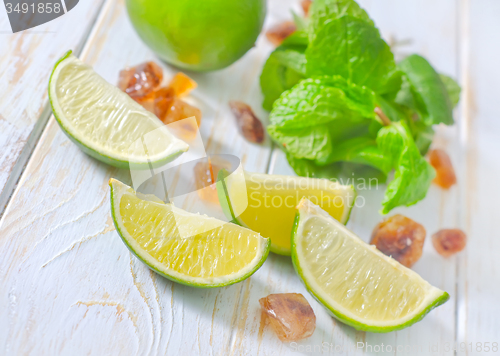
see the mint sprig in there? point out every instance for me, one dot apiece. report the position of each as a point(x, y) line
point(322, 86)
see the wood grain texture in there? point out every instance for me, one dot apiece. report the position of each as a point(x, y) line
point(26, 61)
point(70, 286)
point(58, 224)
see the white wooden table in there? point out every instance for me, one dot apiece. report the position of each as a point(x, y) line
point(69, 286)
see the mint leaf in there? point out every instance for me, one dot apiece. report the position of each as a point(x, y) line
point(313, 142)
point(430, 97)
point(393, 110)
point(452, 88)
point(307, 168)
point(319, 100)
point(293, 59)
point(405, 95)
point(314, 116)
point(413, 174)
point(272, 81)
point(299, 39)
point(322, 11)
point(284, 68)
point(423, 136)
point(362, 150)
point(302, 23)
point(352, 48)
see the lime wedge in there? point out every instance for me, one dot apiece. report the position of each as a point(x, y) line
point(272, 200)
point(358, 284)
point(105, 122)
point(224, 255)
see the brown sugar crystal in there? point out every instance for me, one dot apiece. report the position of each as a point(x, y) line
point(447, 242)
point(248, 124)
point(290, 315)
point(141, 80)
point(169, 108)
point(445, 174)
point(182, 84)
point(400, 237)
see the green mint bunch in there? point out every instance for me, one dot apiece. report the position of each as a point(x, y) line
point(323, 85)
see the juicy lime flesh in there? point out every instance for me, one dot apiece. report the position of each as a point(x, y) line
point(359, 280)
point(198, 35)
point(216, 253)
point(271, 212)
point(104, 118)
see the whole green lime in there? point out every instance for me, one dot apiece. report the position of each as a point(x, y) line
point(199, 35)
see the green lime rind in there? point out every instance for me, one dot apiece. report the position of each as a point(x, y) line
point(348, 215)
point(112, 161)
point(166, 275)
point(345, 221)
point(443, 298)
point(223, 196)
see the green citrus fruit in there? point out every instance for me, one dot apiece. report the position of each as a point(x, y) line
point(200, 35)
point(209, 253)
point(358, 284)
point(105, 122)
point(272, 200)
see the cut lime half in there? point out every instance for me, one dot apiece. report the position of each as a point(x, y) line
point(272, 200)
point(205, 258)
point(105, 122)
point(358, 284)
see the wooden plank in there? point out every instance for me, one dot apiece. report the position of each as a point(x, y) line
point(428, 28)
point(479, 270)
point(66, 267)
point(27, 60)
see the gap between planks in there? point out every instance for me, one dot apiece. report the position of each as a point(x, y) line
point(82, 51)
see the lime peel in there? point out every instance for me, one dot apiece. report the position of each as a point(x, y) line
point(119, 190)
point(106, 123)
point(276, 223)
point(431, 296)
